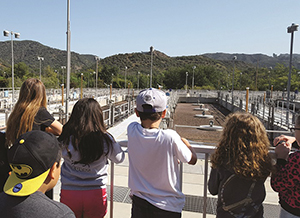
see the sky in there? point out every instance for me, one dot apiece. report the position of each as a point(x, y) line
point(174, 27)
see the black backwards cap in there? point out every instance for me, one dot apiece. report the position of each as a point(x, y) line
point(30, 158)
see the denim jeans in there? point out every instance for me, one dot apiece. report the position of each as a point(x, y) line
point(285, 214)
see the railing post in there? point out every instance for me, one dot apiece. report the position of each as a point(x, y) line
point(112, 111)
point(109, 114)
point(112, 171)
point(205, 185)
point(247, 99)
point(180, 175)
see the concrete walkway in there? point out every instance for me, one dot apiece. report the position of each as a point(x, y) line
point(192, 185)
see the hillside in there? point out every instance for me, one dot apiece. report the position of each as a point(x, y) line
point(27, 51)
point(260, 60)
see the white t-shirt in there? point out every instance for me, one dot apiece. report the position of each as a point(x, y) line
point(153, 166)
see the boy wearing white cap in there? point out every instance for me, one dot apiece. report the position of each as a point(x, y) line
point(153, 160)
point(35, 162)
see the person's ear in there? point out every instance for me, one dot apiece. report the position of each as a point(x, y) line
point(164, 113)
point(136, 112)
point(51, 174)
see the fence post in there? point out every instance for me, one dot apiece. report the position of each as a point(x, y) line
point(247, 98)
point(112, 112)
point(205, 185)
point(112, 171)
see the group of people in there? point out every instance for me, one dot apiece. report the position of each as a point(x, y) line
point(35, 143)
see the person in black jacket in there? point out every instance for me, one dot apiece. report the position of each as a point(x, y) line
point(240, 166)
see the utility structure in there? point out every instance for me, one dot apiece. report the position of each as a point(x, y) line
point(40, 59)
point(186, 77)
point(68, 60)
point(232, 101)
point(291, 29)
point(151, 65)
point(193, 81)
point(17, 36)
point(63, 73)
point(138, 83)
point(125, 77)
point(97, 59)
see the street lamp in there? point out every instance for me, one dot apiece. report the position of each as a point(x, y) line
point(95, 83)
point(186, 76)
point(81, 85)
point(63, 67)
point(291, 29)
point(232, 101)
point(269, 77)
point(17, 36)
point(138, 83)
point(97, 59)
point(148, 80)
point(112, 79)
point(40, 59)
point(68, 59)
point(57, 73)
point(241, 80)
point(125, 77)
point(194, 67)
point(151, 54)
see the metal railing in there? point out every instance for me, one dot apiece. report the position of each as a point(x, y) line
point(200, 148)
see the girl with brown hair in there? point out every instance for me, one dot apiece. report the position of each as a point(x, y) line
point(240, 166)
point(30, 112)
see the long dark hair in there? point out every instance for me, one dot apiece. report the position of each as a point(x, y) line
point(86, 131)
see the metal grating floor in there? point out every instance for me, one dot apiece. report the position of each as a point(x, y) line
point(192, 203)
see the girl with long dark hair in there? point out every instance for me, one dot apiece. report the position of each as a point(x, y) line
point(87, 148)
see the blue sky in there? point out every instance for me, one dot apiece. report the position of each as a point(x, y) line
point(175, 27)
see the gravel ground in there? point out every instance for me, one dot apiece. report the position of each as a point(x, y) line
point(185, 115)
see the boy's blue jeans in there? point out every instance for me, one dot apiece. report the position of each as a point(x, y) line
point(143, 209)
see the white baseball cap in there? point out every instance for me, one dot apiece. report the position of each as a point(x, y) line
point(156, 98)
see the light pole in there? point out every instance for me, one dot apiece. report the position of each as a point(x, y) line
point(138, 83)
point(291, 29)
point(151, 54)
point(112, 79)
point(40, 59)
point(186, 76)
point(68, 59)
point(17, 36)
point(148, 80)
point(269, 77)
point(81, 86)
point(241, 80)
point(97, 59)
point(125, 77)
point(95, 83)
point(57, 73)
point(63, 72)
point(234, 58)
point(194, 67)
